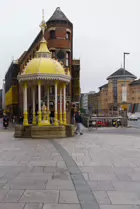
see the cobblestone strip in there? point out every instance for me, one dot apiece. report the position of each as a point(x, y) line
point(86, 198)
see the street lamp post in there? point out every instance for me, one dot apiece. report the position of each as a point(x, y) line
point(125, 53)
point(124, 86)
point(125, 89)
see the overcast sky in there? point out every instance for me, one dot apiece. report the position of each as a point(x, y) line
point(103, 30)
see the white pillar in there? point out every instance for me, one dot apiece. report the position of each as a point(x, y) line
point(48, 104)
point(64, 104)
point(56, 113)
point(60, 114)
point(25, 97)
point(48, 98)
point(33, 98)
point(39, 102)
point(25, 122)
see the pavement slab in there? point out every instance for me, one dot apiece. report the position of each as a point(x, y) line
point(13, 196)
point(68, 197)
point(98, 170)
point(61, 206)
point(11, 206)
point(34, 206)
point(40, 196)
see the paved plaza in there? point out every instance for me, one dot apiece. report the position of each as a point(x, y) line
point(99, 170)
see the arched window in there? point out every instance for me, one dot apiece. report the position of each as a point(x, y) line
point(68, 35)
point(52, 34)
point(67, 59)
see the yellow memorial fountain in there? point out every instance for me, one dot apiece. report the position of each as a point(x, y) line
point(42, 70)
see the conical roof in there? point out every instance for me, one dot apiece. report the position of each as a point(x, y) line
point(121, 73)
point(43, 49)
point(58, 15)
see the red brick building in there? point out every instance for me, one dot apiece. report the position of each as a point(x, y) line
point(59, 35)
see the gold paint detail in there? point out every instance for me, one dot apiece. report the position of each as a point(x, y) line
point(11, 96)
point(39, 118)
point(65, 118)
point(25, 120)
point(56, 119)
point(61, 121)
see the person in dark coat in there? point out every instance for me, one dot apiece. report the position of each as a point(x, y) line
point(78, 120)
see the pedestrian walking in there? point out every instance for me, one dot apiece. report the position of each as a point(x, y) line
point(78, 120)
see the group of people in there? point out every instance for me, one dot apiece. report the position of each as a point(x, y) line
point(77, 121)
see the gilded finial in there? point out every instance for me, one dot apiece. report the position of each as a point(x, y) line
point(43, 25)
point(42, 14)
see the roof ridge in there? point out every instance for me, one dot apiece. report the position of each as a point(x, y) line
point(121, 72)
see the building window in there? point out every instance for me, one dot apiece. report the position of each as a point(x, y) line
point(53, 54)
point(52, 34)
point(67, 59)
point(68, 35)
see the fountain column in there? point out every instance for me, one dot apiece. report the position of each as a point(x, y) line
point(39, 103)
point(33, 98)
point(56, 111)
point(64, 104)
point(25, 121)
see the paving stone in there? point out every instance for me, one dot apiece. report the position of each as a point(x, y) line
point(93, 185)
point(77, 177)
point(61, 164)
point(34, 206)
point(135, 176)
point(105, 185)
point(102, 197)
point(2, 173)
point(82, 188)
point(119, 207)
point(102, 177)
point(13, 196)
point(3, 192)
point(61, 175)
point(127, 186)
point(124, 198)
point(123, 177)
point(101, 185)
point(43, 163)
point(73, 170)
point(50, 169)
point(35, 176)
point(11, 206)
point(89, 205)
point(60, 184)
point(21, 183)
point(39, 169)
point(62, 206)
point(68, 197)
point(85, 196)
point(10, 175)
point(40, 196)
point(86, 176)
